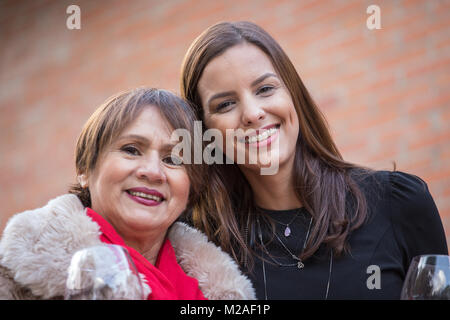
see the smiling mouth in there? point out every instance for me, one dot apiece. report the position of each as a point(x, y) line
point(145, 196)
point(262, 135)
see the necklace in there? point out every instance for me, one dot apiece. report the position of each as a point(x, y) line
point(300, 264)
point(287, 230)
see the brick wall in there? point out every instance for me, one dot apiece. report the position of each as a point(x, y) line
point(385, 92)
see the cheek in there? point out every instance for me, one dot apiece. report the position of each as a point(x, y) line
point(114, 172)
point(292, 119)
point(224, 121)
point(179, 188)
point(283, 104)
point(284, 108)
point(220, 123)
point(108, 177)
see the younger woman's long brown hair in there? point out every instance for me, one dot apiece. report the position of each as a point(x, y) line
point(323, 180)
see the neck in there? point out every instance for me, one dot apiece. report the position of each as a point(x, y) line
point(274, 192)
point(147, 246)
point(146, 242)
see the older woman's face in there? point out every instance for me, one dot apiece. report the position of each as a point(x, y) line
point(240, 89)
point(135, 185)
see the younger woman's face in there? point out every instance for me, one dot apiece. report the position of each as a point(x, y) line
point(240, 89)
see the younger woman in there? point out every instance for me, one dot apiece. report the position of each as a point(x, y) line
point(320, 227)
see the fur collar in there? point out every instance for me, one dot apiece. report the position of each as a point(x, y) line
point(39, 244)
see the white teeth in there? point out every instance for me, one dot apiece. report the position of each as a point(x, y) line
point(144, 195)
point(262, 136)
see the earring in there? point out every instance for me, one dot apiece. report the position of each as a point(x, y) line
point(82, 180)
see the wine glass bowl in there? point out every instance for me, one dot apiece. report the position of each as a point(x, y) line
point(428, 278)
point(104, 272)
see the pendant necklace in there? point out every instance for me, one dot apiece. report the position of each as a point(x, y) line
point(287, 230)
point(300, 264)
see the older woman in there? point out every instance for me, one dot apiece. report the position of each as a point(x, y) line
point(131, 191)
point(317, 226)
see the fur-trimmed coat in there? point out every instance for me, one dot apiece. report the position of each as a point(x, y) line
point(37, 246)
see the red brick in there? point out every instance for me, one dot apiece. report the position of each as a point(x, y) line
point(379, 89)
point(385, 153)
point(394, 98)
point(430, 139)
point(397, 60)
point(427, 31)
point(430, 103)
point(414, 165)
point(376, 84)
point(429, 67)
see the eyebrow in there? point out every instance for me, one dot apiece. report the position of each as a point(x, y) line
point(220, 95)
point(165, 147)
point(263, 77)
point(134, 137)
point(230, 93)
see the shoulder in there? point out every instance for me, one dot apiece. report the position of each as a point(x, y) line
point(37, 245)
point(7, 284)
point(413, 214)
point(408, 187)
point(404, 201)
point(10, 289)
point(408, 195)
point(58, 225)
point(400, 189)
point(410, 203)
point(32, 222)
point(217, 273)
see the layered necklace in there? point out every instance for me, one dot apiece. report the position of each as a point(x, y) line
point(298, 262)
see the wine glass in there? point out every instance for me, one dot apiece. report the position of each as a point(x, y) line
point(428, 278)
point(104, 272)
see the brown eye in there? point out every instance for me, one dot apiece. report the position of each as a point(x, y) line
point(130, 149)
point(265, 89)
point(224, 106)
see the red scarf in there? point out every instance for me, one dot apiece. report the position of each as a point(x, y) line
point(166, 278)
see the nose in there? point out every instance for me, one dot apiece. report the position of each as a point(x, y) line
point(150, 169)
point(251, 112)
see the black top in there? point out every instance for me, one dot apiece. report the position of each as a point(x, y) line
point(403, 222)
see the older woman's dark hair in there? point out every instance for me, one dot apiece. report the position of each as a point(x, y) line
point(324, 182)
point(115, 115)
